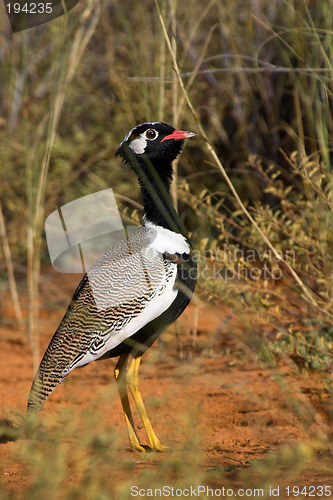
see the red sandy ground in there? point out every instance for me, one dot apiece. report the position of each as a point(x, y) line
point(240, 410)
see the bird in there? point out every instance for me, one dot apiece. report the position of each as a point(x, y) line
point(134, 290)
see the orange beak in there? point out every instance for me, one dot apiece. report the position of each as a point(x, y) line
point(178, 135)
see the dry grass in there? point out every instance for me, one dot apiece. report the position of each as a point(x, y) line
point(256, 80)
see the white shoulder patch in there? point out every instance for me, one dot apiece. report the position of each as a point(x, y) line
point(167, 241)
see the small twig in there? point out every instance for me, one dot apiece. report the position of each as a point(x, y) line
point(11, 275)
point(218, 333)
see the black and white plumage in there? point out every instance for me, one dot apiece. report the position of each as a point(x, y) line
point(135, 289)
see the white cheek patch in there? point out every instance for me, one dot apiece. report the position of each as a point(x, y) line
point(138, 146)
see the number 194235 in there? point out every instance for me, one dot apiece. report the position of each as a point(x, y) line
point(29, 8)
point(309, 491)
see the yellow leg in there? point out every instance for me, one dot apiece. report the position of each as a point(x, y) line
point(132, 381)
point(120, 376)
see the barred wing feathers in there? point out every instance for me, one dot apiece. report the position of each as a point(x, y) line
point(120, 294)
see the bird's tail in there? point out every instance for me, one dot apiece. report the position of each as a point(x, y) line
point(41, 389)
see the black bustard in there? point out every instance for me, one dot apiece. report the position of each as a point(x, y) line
point(134, 290)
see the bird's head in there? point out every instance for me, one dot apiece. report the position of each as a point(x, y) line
point(150, 149)
point(153, 141)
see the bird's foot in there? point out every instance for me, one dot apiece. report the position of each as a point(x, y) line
point(159, 447)
point(155, 444)
point(138, 447)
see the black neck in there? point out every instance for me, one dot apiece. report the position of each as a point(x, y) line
point(155, 182)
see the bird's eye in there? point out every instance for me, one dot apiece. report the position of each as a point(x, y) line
point(151, 134)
